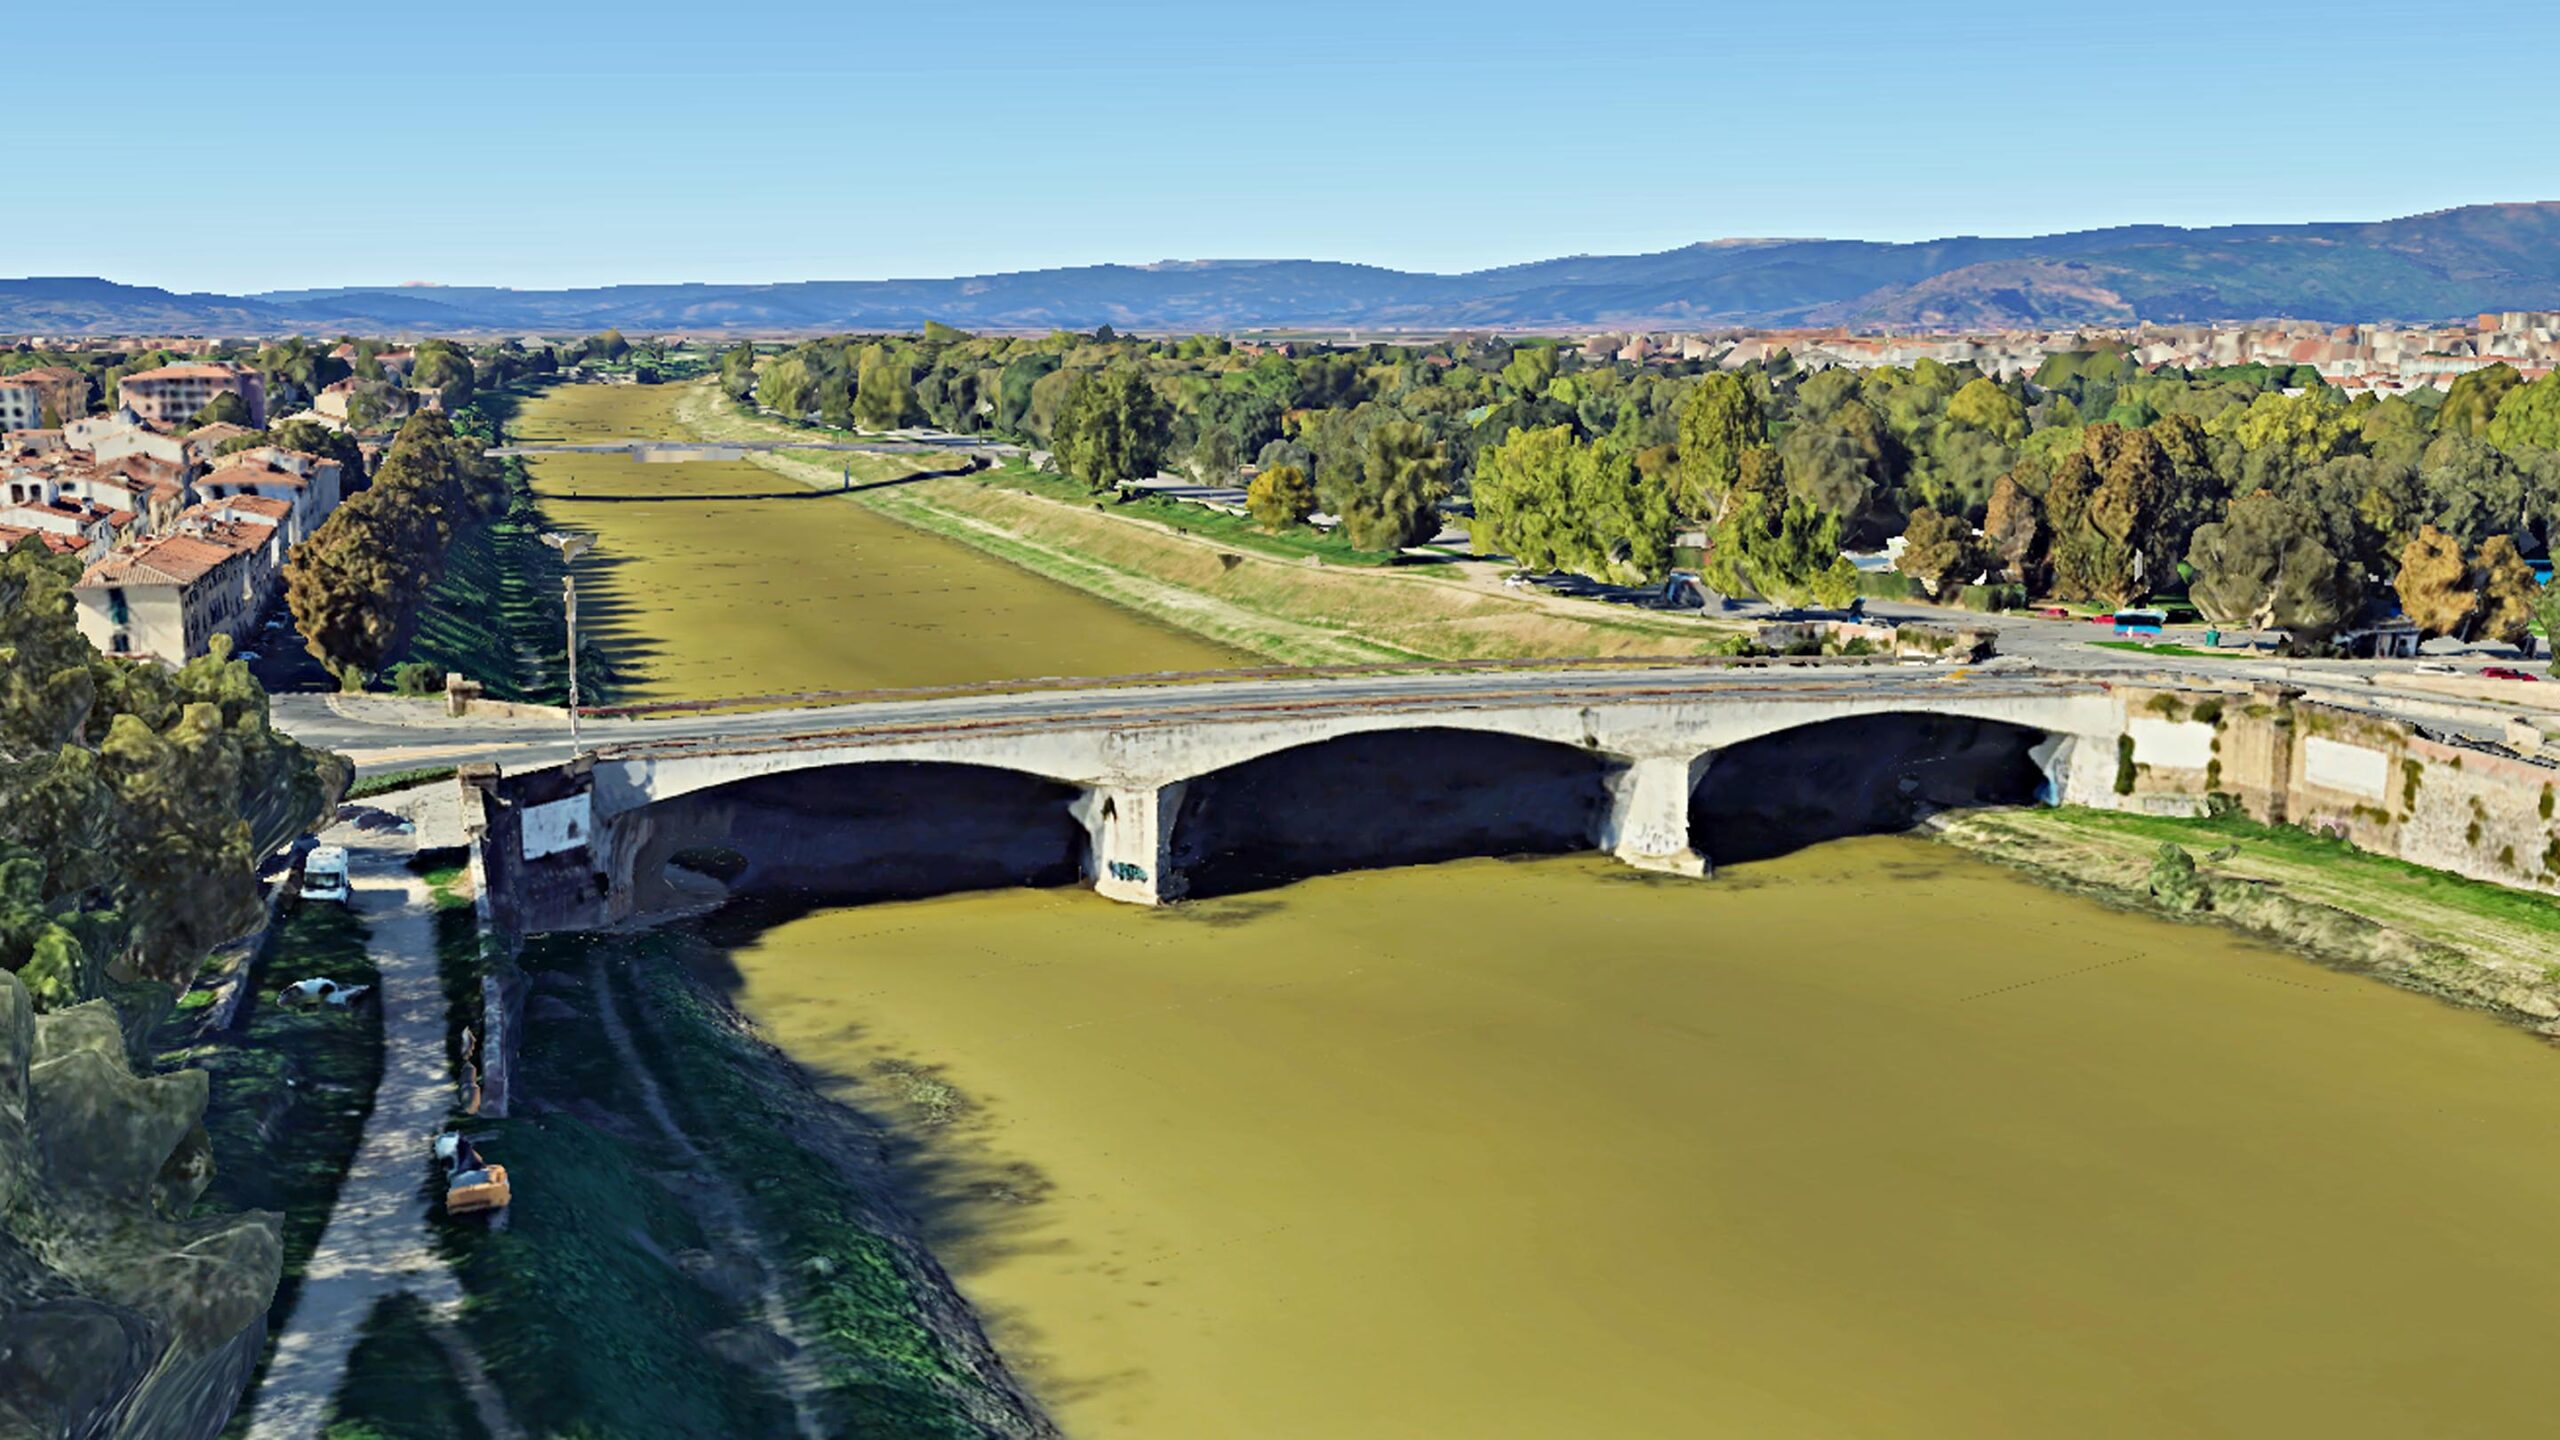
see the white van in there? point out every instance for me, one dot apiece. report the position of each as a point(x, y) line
point(324, 874)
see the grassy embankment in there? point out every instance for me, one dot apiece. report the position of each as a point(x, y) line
point(2465, 940)
point(291, 1088)
point(608, 1306)
point(1218, 576)
point(399, 1385)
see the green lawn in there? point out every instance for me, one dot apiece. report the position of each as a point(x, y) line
point(1296, 542)
point(2182, 651)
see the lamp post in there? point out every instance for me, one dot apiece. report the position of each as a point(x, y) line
point(571, 545)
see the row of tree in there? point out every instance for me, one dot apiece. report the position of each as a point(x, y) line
point(355, 584)
point(133, 799)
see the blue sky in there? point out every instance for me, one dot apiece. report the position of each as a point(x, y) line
point(559, 142)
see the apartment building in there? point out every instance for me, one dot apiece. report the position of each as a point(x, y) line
point(22, 404)
point(171, 395)
point(168, 596)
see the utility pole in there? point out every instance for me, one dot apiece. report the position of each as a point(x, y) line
point(570, 545)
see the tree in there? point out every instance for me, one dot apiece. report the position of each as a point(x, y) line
point(738, 370)
point(1391, 498)
point(1719, 420)
point(2105, 505)
point(1782, 548)
point(2435, 586)
point(2546, 613)
point(2265, 565)
point(1280, 497)
point(1112, 428)
point(2508, 590)
point(2475, 397)
point(224, 409)
point(1520, 492)
point(1942, 552)
point(445, 369)
point(132, 798)
point(885, 398)
point(354, 585)
point(2528, 417)
point(1985, 406)
point(2015, 528)
point(610, 345)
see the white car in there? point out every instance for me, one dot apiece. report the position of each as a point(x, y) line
point(2438, 667)
point(324, 875)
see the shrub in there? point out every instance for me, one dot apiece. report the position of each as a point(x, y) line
point(2124, 765)
point(416, 677)
point(2174, 882)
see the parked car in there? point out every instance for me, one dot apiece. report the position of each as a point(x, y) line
point(324, 875)
point(2438, 667)
point(307, 994)
point(2506, 672)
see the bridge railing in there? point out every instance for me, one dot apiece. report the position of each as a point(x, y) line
point(811, 699)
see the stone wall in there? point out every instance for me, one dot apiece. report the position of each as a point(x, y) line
point(2277, 757)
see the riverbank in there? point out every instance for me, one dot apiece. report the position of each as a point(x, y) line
point(699, 1243)
point(2475, 944)
point(1291, 608)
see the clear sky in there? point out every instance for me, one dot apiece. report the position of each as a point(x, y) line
point(559, 142)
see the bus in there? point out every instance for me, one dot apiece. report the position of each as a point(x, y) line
point(2141, 624)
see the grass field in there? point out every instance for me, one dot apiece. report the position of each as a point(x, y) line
point(1253, 592)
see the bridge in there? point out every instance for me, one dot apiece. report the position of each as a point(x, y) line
point(1147, 793)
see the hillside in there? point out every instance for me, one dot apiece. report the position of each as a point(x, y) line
point(2441, 265)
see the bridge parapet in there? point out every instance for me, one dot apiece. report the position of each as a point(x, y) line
point(576, 839)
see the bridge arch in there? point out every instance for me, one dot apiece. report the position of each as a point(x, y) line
point(851, 832)
point(1377, 797)
point(1882, 770)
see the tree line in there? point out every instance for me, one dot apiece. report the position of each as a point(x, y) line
point(355, 584)
point(2284, 502)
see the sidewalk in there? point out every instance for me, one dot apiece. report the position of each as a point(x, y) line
point(376, 1243)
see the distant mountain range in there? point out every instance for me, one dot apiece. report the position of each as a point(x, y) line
point(2426, 267)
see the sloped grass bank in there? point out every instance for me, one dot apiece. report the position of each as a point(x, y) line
point(608, 1307)
point(2467, 941)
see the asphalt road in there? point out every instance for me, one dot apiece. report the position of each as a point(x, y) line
point(386, 736)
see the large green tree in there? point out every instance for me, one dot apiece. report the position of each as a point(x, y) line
point(2266, 565)
point(1112, 428)
point(1719, 420)
point(1391, 497)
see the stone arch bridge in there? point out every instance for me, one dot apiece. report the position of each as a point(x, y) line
point(1134, 789)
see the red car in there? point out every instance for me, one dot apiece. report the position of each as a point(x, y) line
point(2505, 672)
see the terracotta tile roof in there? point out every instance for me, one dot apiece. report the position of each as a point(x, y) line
point(199, 371)
point(178, 559)
point(236, 471)
point(269, 507)
point(10, 535)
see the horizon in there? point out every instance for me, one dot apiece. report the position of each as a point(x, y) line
point(1205, 261)
point(581, 146)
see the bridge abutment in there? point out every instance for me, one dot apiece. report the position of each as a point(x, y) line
point(1130, 849)
point(1646, 823)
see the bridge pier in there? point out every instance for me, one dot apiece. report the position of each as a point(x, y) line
point(1647, 822)
point(1130, 852)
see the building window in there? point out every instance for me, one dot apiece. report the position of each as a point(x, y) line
point(119, 613)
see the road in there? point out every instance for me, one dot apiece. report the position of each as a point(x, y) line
point(385, 736)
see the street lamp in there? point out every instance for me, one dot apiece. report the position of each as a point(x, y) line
point(571, 545)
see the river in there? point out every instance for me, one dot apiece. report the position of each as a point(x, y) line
point(1871, 1140)
point(722, 578)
